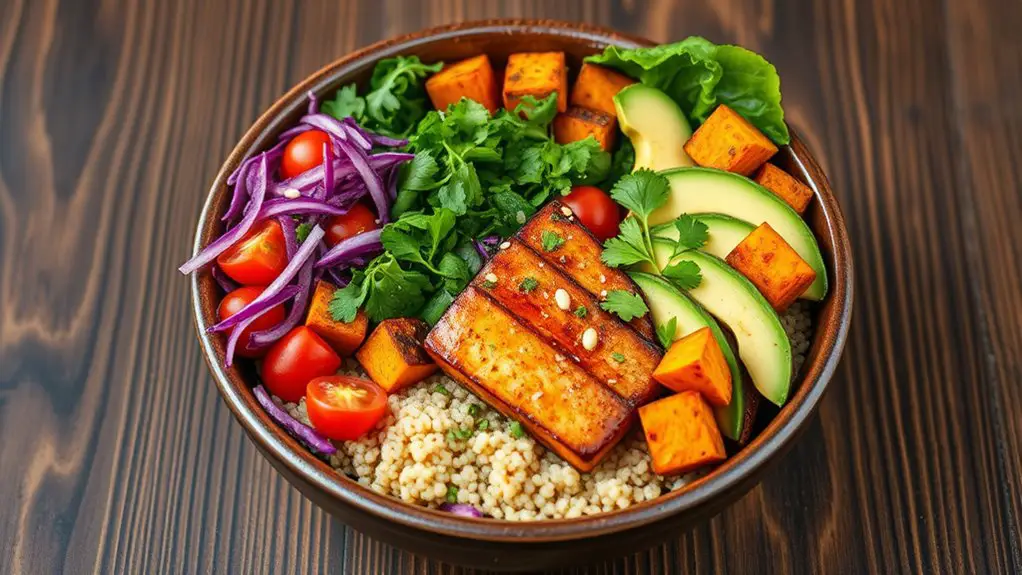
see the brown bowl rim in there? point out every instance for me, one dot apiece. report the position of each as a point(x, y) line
point(731, 475)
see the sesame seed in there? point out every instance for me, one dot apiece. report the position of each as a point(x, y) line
point(612, 381)
point(541, 264)
point(589, 339)
point(563, 299)
point(603, 294)
point(567, 213)
point(505, 245)
point(603, 279)
point(291, 193)
point(537, 395)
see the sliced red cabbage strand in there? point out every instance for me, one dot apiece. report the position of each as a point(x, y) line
point(491, 241)
point(274, 300)
point(361, 245)
point(294, 315)
point(289, 133)
point(339, 278)
point(218, 246)
point(328, 173)
point(272, 155)
point(298, 206)
point(328, 124)
point(313, 102)
point(342, 168)
point(287, 225)
point(225, 283)
point(356, 133)
point(379, 140)
point(371, 178)
point(303, 432)
point(240, 194)
point(463, 509)
point(304, 252)
point(481, 249)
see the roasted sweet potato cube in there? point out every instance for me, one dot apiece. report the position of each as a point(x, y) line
point(682, 433)
point(792, 191)
point(579, 256)
point(472, 78)
point(773, 266)
point(343, 337)
point(579, 123)
point(727, 141)
point(393, 355)
point(596, 87)
point(536, 74)
point(696, 363)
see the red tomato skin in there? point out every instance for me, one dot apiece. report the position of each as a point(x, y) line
point(258, 258)
point(358, 219)
point(232, 304)
point(595, 209)
point(296, 359)
point(303, 152)
point(344, 421)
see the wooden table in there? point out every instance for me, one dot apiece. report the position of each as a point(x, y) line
point(118, 456)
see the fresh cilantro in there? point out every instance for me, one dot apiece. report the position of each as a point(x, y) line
point(528, 285)
point(302, 231)
point(692, 234)
point(516, 430)
point(441, 389)
point(665, 332)
point(625, 304)
point(384, 289)
point(473, 409)
point(346, 102)
point(537, 113)
point(483, 425)
point(629, 247)
point(551, 241)
point(487, 284)
point(685, 274)
point(581, 311)
point(461, 433)
point(452, 494)
point(620, 358)
point(641, 192)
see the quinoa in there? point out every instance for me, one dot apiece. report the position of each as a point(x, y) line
point(438, 441)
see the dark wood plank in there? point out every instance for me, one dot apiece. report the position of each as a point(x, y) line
point(119, 457)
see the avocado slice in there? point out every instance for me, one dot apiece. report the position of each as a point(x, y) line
point(725, 232)
point(763, 345)
point(666, 302)
point(656, 126)
point(705, 190)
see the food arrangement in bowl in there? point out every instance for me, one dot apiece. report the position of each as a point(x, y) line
point(534, 293)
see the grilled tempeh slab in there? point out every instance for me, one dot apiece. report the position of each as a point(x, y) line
point(579, 256)
point(481, 345)
point(622, 360)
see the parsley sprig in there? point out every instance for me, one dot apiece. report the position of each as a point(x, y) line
point(642, 192)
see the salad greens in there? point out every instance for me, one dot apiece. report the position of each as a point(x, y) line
point(473, 175)
point(396, 100)
point(699, 75)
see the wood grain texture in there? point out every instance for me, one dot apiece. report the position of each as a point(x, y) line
point(118, 456)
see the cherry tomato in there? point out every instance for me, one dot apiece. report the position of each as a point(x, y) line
point(595, 210)
point(358, 219)
point(303, 152)
point(258, 258)
point(295, 360)
point(232, 304)
point(343, 407)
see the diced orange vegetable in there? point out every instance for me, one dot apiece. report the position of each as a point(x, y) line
point(343, 337)
point(696, 363)
point(682, 433)
point(536, 74)
point(727, 141)
point(596, 87)
point(792, 191)
point(472, 78)
point(773, 266)
point(393, 355)
point(580, 123)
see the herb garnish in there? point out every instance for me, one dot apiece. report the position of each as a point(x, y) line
point(516, 430)
point(581, 311)
point(551, 241)
point(665, 332)
point(625, 304)
point(528, 285)
point(620, 358)
point(452, 494)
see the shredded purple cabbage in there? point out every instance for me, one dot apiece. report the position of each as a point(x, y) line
point(302, 206)
point(463, 509)
point(304, 433)
point(304, 252)
point(481, 249)
point(358, 246)
point(287, 225)
point(313, 102)
point(269, 303)
point(225, 283)
point(266, 337)
point(491, 241)
point(370, 177)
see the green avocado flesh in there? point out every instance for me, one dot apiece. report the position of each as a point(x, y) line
point(666, 302)
point(725, 232)
point(703, 190)
point(763, 345)
point(655, 125)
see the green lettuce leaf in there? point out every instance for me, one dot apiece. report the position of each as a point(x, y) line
point(699, 75)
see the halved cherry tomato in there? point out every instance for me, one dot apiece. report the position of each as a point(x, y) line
point(295, 360)
point(232, 304)
point(303, 152)
point(258, 258)
point(358, 219)
point(343, 408)
point(595, 210)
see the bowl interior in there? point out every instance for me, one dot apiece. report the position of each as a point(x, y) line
point(498, 40)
